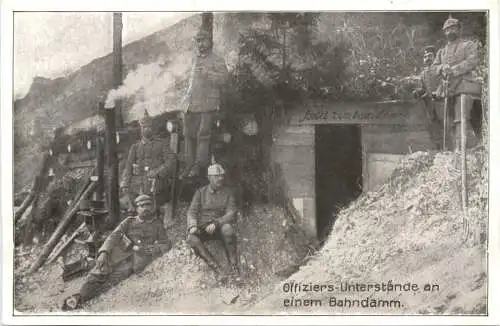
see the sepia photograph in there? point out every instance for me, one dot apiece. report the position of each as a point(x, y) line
point(250, 163)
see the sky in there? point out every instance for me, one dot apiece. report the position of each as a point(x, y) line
point(51, 44)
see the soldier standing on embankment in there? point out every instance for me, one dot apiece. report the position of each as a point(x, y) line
point(200, 103)
point(455, 63)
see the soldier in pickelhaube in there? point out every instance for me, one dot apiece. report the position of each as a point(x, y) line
point(454, 63)
point(202, 100)
point(135, 243)
point(212, 216)
point(149, 167)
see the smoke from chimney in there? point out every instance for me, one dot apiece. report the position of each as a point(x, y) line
point(153, 87)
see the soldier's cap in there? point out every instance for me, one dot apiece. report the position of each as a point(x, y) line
point(215, 169)
point(92, 207)
point(450, 22)
point(202, 34)
point(143, 199)
point(429, 49)
point(145, 120)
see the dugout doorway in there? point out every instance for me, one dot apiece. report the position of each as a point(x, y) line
point(339, 172)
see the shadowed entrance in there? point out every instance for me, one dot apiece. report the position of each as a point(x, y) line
point(338, 172)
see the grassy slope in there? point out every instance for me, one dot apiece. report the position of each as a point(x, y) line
point(410, 230)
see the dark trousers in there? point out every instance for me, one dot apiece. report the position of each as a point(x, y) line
point(98, 282)
point(453, 132)
point(197, 129)
point(226, 234)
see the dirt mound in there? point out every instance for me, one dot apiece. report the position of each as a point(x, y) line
point(408, 231)
point(177, 279)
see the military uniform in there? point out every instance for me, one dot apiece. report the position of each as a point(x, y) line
point(149, 157)
point(130, 248)
point(218, 207)
point(428, 84)
point(202, 100)
point(210, 205)
point(462, 57)
point(148, 168)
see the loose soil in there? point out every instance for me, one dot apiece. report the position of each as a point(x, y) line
point(408, 230)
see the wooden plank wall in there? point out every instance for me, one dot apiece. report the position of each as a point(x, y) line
point(293, 150)
point(395, 139)
point(384, 145)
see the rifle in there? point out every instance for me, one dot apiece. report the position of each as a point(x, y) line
point(174, 146)
point(153, 194)
point(446, 82)
point(58, 251)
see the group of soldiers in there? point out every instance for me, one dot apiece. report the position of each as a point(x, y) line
point(140, 238)
point(448, 75)
point(145, 185)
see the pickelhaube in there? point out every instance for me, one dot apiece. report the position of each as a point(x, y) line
point(143, 199)
point(451, 22)
point(145, 120)
point(215, 169)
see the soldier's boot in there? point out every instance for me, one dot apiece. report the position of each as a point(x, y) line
point(230, 247)
point(202, 156)
point(201, 251)
point(93, 286)
point(190, 156)
point(72, 302)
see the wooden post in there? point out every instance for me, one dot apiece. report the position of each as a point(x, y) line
point(27, 201)
point(463, 151)
point(112, 165)
point(207, 23)
point(100, 168)
point(40, 183)
point(463, 145)
point(174, 146)
point(61, 228)
point(117, 63)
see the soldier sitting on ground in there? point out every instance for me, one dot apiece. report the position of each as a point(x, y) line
point(210, 217)
point(148, 168)
point(128, 249)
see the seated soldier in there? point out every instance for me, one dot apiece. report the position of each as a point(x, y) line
point(127, 250)
point(210, 217)
point(148, 168)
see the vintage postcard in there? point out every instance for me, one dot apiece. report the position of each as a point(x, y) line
point(320, 165)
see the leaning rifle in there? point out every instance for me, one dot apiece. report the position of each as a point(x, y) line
point(446, 83)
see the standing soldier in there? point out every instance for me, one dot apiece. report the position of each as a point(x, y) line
point(127, 250)
point(148, 168)
point(455, 63)
point(428, 84)
point(200, 103)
